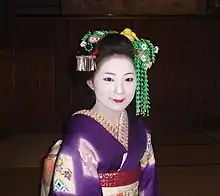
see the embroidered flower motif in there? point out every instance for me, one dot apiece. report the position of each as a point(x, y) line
point(60, 168)
point(145, 158)
point(100, 32)
point(68, 174)
point(93, 39)
point(60, 162)
point(64, 174)
point(149, 64)
point(129, 34)
point(148, 157)
point(149, 144)
point(143, 46)
point(143, 56)
point(83, 44)
point(156, 49)
point(133, 192)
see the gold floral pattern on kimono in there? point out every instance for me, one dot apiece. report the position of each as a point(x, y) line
point(148, 157)
point(63, 175)
point(127, 190)
point(133, 192)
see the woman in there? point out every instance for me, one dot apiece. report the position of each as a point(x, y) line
point(106, 152)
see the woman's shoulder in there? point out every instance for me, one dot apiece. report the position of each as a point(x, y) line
point(79, 124)
point(79, 119)
point(74, 124)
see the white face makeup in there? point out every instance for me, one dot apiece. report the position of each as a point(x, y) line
point(114, 83)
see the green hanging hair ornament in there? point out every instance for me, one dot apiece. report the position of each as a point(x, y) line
point(144, 57)
point(143, 60)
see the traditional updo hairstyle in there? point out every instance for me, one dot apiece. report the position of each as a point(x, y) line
point(111, 44)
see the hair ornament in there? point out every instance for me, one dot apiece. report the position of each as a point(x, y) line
point(144, 57)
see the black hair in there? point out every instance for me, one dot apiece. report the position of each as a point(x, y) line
point(114, 44)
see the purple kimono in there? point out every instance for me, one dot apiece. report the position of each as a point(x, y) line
point(89, 149)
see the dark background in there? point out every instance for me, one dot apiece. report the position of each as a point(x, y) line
point(38, 39)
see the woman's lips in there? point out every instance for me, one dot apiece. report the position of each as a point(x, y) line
point(118, 100)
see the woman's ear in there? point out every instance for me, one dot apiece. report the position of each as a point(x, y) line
point(90, 84)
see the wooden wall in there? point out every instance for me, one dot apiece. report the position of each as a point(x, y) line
point(39, 95)
point(157, 7)
point(91, 7)
point(3, 24)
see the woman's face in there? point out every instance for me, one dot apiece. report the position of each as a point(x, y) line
point(114, 83)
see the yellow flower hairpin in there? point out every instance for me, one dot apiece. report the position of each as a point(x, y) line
point(129, 34)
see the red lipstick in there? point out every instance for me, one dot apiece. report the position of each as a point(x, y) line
point(118, 100)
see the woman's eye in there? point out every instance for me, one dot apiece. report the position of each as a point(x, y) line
point(129, 79)
point(108, 79)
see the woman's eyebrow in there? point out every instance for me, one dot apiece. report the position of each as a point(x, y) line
point(129, 73)
point(110, 73)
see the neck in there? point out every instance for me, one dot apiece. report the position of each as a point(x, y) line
point(108, 114)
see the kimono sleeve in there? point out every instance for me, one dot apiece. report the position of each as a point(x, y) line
point(75, 171)
point(148, 184)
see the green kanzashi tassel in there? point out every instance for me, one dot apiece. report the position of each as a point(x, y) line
point(144, 56)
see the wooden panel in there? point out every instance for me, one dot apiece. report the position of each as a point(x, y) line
point(186, 76)
point(34, 7)
point(7, 92)
point(34, 94)
point(212, 5)
point(34, 41)
point(63, 75)
point(42, 80)
point(133, 7)
point(26, 3)
point(33, 33)
point(3, 24)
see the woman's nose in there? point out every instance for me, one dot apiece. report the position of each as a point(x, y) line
point(119, 89)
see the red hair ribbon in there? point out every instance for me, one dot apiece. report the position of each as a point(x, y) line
point(95, 52)
point(135, 52)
